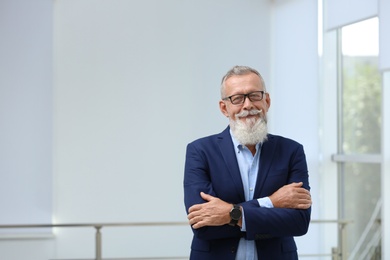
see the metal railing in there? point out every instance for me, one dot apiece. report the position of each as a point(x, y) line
point(339, 253)
point(367, 242)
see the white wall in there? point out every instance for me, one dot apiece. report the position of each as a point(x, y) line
point(294, 90)
point(25, 110)
point(25, 126)
point(135, 81)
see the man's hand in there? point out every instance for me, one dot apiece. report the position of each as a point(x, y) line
point(214, 212)
point(291, 196)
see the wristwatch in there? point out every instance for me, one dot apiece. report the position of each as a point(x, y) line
point(235, 215)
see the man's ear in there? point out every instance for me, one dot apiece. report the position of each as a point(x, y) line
point(223, 108)
point(268, 101)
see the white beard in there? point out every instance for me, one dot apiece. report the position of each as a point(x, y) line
point(252, 131)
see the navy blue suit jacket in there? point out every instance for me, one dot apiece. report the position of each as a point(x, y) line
point(211, 166)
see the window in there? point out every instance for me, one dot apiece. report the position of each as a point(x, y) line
point(359, 137)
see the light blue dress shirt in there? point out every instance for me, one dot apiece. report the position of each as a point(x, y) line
point(249, 167)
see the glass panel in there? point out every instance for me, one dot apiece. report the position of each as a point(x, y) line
point(360, 183)
point(362, 194)
point(361, 90)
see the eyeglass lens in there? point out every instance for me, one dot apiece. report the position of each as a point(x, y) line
point(240, 98)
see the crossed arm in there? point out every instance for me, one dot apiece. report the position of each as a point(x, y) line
point(215, 212)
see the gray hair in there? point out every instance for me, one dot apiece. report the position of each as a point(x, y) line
point(239, 70)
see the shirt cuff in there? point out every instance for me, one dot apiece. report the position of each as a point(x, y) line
point(265, 202)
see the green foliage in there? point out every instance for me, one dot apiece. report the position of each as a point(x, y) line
point(362, 105)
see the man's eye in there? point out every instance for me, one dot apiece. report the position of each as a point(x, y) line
point(237, 98)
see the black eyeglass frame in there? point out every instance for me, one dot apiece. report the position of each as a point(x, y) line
point(245, 96)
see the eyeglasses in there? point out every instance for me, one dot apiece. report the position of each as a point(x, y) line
point(240, 98)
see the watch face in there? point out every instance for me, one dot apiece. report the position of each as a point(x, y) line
point(235, 214)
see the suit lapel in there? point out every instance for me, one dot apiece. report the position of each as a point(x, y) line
point(228, 153)
point(266, 158)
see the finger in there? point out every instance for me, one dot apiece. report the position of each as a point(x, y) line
point(298, 184)
point(302, 190)
point(191, 216)
point(304, 206)
point(195, 207)
point(307, 205)
point(303, 196)
point(295, 184)
point(193, 220)
point(205, 196)
point(197, 222)
point(197, 225)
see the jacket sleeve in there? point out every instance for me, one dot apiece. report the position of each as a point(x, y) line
point(197, 179)
point(279, 222)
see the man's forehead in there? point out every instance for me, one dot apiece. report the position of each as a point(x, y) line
point(250, 78)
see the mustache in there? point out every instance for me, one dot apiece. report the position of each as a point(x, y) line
point(246, 113)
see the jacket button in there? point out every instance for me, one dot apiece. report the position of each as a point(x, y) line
point(233, 249)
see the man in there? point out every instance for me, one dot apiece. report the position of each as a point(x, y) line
point(246, 191)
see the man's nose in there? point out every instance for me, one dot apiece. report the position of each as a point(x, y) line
point(247, 103)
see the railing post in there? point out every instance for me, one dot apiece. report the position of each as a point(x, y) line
point(343, 241)
point(98, 243)
point(335, 253)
